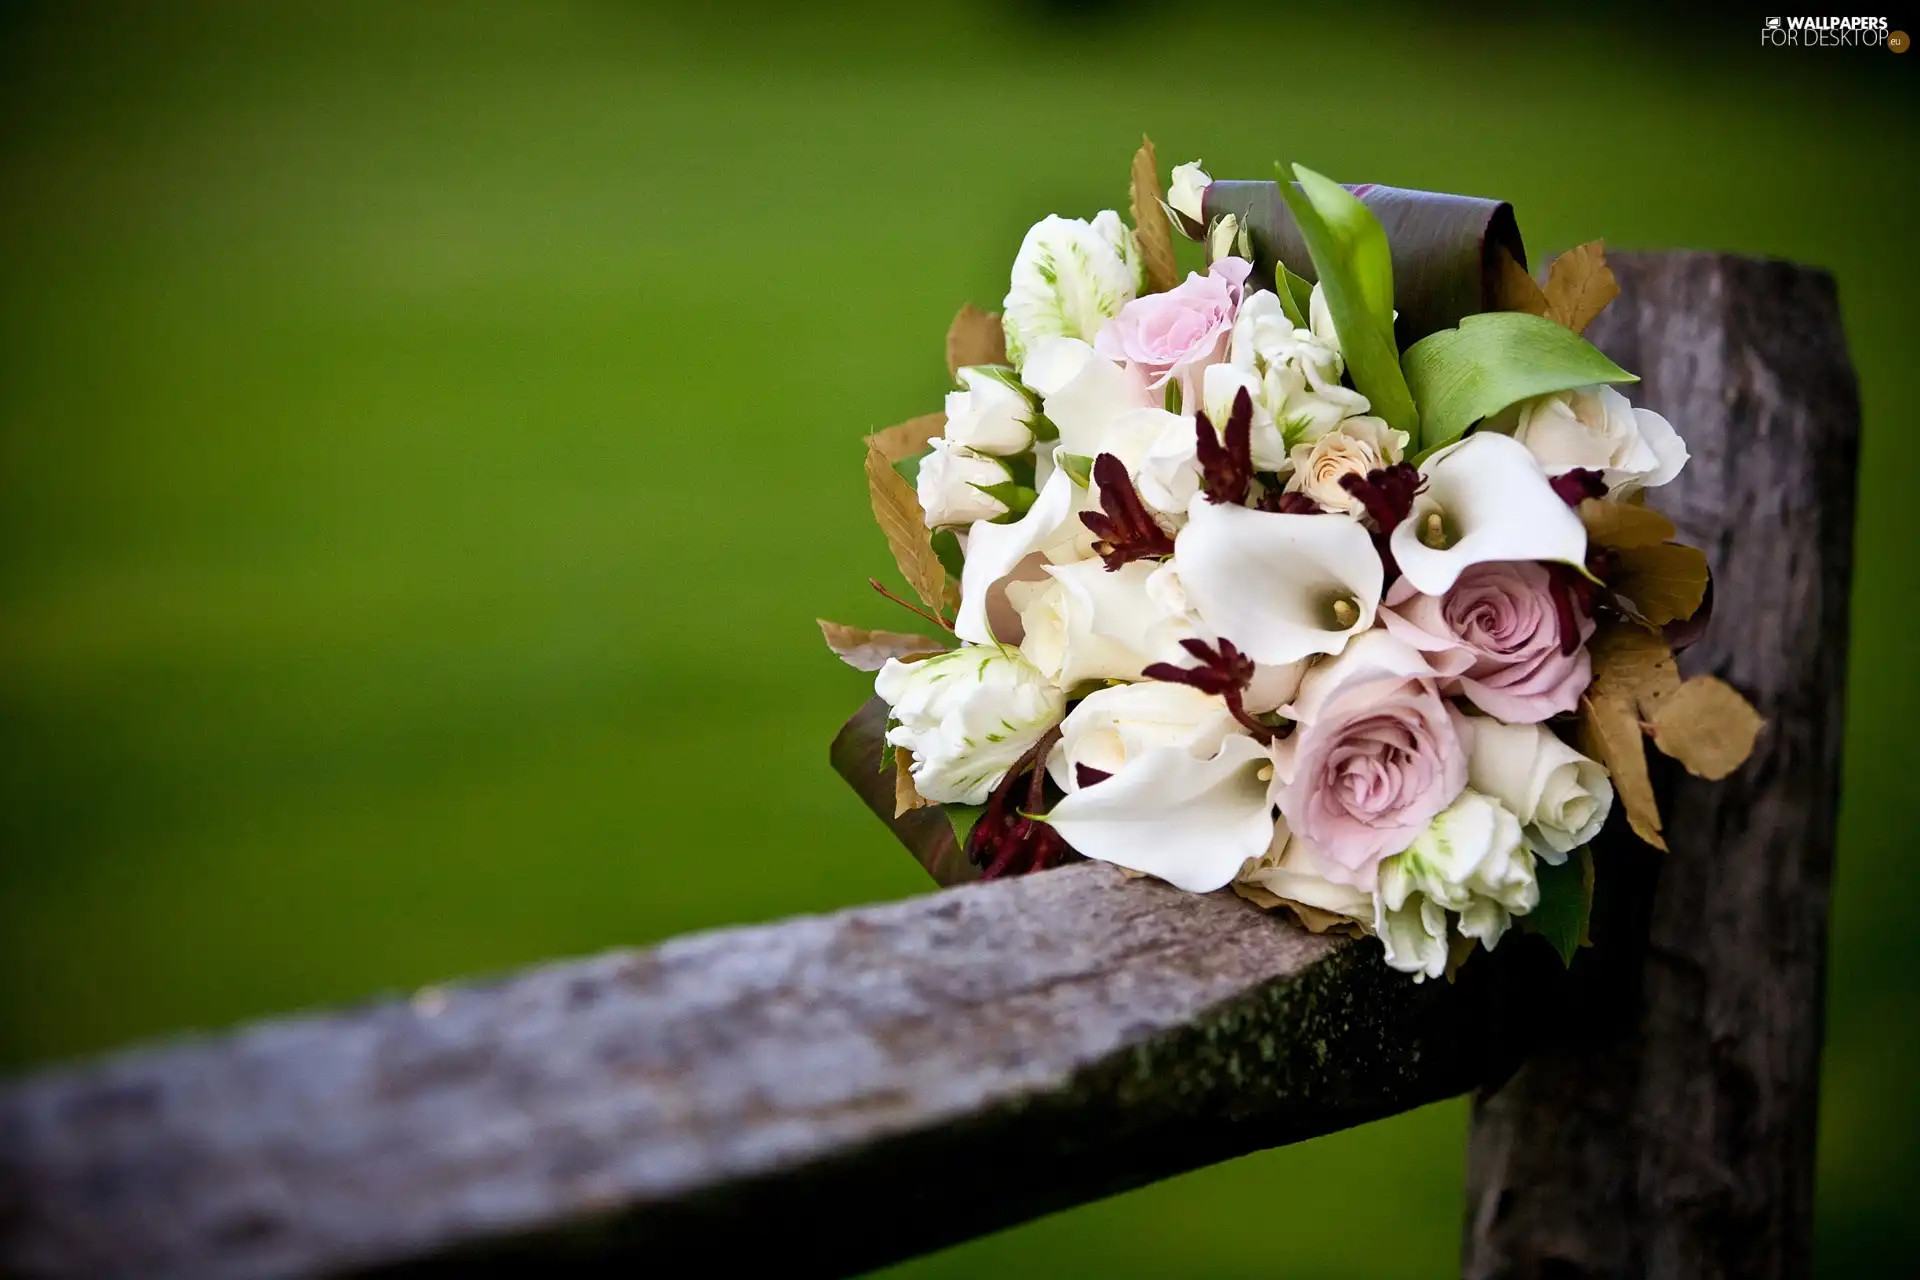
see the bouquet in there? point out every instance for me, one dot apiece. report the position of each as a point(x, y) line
point(1327, 573)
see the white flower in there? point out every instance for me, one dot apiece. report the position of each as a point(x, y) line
point(991, 414)
point(1227, 239)
point(951, 481)
point(1187, 190)
point(1560, 797)
point(1281, 587)
point(1595, 427)
point(1111, 726)
point(1292, 374)
point(1069, 278)
point(1485, 499)
point(1353, 448)
point(967, 716)
point(1292, 870)
point(1471, 860)
point(1320, 319)
point(994, 551)
point(1086, 623)
point(1190, 819)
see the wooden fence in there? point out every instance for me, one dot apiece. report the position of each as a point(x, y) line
point(843, 1091)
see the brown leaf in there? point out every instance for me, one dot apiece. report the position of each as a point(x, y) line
point(1707, 726)
point(1610, 733)
point(1150, 223)
point(905, 439)
point(1513, 288)
point(1459, 950)
point(897, 510)
point(1665, 581)
point(1634, 665)
point(1580, 284)
point(905, 798)
point(865, 650)
point(1621, 525)
point(975, 337)
point(1313, 919)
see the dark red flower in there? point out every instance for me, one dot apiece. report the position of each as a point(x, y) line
point(1579, 484)
point(1226, 462)
point(1224, 672)
point(1125, 528)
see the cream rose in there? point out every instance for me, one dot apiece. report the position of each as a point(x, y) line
point(1353, 448)
point(1560, 797)
point(1112, 726)
point(1187, 190)
point(952, 484)
point(1596, 428)
point(991, 414)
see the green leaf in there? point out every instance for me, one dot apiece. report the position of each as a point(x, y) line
point(963, 817)
point(1296, 296)
point(1017, 497)
point(946, 547)
point(1170, 398)
point(1566, 898)
point(1493, 361)
point(1350, 255)
point(1078, 466)
point(909, 468)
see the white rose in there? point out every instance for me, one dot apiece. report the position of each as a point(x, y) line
point(951, 481)
point(1560, 797)
point(991, 414)
point(1112, 726)
point(1292, 870)
point(1596, 428)
point(1187, 190)
point(1355, 447)
point(1472, 860)
point(1227, 239)
point(1084, 622)
point(1293, 376)
point(967, 716)
point(1069, 278)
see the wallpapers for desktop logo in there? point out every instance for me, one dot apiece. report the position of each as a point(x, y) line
point(1823, 31)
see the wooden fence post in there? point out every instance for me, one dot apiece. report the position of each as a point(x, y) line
point(1671, 1134)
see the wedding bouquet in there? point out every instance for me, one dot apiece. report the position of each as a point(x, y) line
point(1273, 578)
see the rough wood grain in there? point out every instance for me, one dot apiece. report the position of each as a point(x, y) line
point(854, 1088)
point(1674, 1136)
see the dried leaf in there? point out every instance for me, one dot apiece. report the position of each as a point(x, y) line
point(865, 650)
point(1459, 950)
point(1707, 726)
point(1665, 581)
point(897, 510)
point(1313, 919)
point(975, 337)
point(1621, 525)
point(1634, 665)
point(1513, 288)
point(1610, 733)
point(905, 798)
point(1150, 223)
point(904, 440)
point(1580, 284)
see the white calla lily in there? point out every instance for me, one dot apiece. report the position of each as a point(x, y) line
point(1485, 498)
point(994, 551)
point(1191, 821)
point(1281, 587)
point(1112, 726)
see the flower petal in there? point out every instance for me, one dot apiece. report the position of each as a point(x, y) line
point(1494, 503)
point(1189, 821)
point(1271, 583)
point(995, 550)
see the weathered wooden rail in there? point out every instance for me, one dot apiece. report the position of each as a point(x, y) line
point(848, 1090)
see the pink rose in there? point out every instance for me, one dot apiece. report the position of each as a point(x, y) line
point(1181, 331)
point(1377, 755)
point(1497, 634)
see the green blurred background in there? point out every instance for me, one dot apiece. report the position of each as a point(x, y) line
point(428, 432)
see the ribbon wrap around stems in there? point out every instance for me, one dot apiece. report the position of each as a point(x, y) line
point(1446, 248)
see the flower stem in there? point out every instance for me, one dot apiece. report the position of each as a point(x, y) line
point(934, 618)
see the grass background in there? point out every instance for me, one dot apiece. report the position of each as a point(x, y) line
point(427, 434)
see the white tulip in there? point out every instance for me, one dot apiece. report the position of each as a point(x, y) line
point(1085, 622)
point(991, 415)
point(1112, 726)
point(967, 716)
point(1471, 860)
point(1069, 278)
point(1192, 821)
point(1186, 192)
point(1485, 499)
point(1560, 797)
point(994, 551)
point(1292, 870)
point(1281, 587)
point(951, 483)
point(1596, 428)
point(1353, 448)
